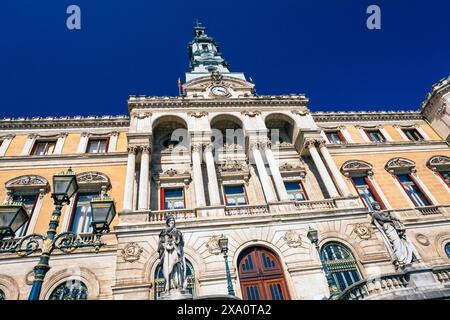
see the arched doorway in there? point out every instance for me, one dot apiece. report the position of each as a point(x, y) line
point(261, 275)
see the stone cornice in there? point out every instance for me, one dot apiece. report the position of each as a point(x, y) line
point(361, 116)
point(182, 102)
point(438, 90)
point(64, 122)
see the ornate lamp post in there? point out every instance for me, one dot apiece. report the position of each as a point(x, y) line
point(13, 216)
point(313, 236)
point(223, 245)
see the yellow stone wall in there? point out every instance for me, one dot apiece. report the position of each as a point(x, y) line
point(385, 180)
point(16, 145)
point(71, 143)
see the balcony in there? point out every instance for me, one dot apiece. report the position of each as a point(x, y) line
point(312, 205)
point(413, 283)
point(246, 210)
point(179, 214)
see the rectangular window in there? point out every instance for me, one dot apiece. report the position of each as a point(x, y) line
point(172, 199)
point(375, 135)
point(413, 134)
point(42, 148)
point(30, 202)
point(82, 215)
point(235, 195)
point(445, 175)
point(97, 146)
point(366, 192)
point(413, 191)
point(335, 137)
point(295, 191)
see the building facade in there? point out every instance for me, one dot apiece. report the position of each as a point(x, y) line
point(261, 170)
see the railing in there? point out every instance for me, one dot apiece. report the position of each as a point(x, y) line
point(442, 274)
point(429, 210)
point(246, 210)
point(315, 205)
point(8, 243)
point(367, 288)
point(179, 214)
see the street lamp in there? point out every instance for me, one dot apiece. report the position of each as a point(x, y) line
point(223, 245)
point(13, 216)
point(313, 236)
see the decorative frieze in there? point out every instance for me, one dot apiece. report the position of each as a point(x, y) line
point(356, 168)
point(439, 163)
point(399, 165)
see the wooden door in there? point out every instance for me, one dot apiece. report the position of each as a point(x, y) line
point(261, 275)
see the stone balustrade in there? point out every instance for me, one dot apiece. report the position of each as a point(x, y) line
point(179, 214)
point(246, 210)
point(442, 274)
point(429, 210)
point(372, 287)
point(312, 205)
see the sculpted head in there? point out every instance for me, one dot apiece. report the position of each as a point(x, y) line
point(376, 206)
point(170, 221)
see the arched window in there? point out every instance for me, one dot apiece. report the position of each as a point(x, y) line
point(160, 282)
point(341, 264)
point(441, 165)
point(447, 249)
point(2, 295)
point(70, 290)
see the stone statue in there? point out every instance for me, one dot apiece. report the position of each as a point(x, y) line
point(400, 249)
point(172, 261)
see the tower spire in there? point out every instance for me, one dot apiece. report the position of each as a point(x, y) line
point(205, 56)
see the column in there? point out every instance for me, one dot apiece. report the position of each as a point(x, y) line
point(263, 176)
point(334, 170)
point(198, 177)
point(329, 185)
point(213, 188)
point(129, 180)
point(278, 180)
point(144, 179)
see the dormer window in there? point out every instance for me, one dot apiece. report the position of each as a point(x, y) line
point(43, 147)
point(204, 47)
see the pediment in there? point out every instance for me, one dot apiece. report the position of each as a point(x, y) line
point(201, 87)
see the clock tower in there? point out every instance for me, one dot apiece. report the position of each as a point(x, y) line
point(209, 74)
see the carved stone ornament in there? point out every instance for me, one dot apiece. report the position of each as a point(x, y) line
point(400, 164)
point(198, 114)
point(356, 167)
point(27, 181)
point(213, 245)
point(363, 231)
point(216, 76)
point(422, 239)
point(251, 114)
point(439, 163)
point(292, 239)
point(132, 252)
point(300, 112)
point(233, 166)
point(93, 177)
point(171, 172)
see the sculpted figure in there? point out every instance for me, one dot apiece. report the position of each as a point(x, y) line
point(392, 230)
point(171, 257)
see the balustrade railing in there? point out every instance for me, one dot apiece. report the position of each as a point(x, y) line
point(246, 210)
point(179, 214)
point(429, 210)
point(442, 274)
point(8, 243)
point(315, 205)
point(371, 287)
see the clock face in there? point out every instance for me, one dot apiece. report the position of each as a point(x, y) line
point(219, 91)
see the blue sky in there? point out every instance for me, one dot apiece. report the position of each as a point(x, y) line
point(321, 48)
